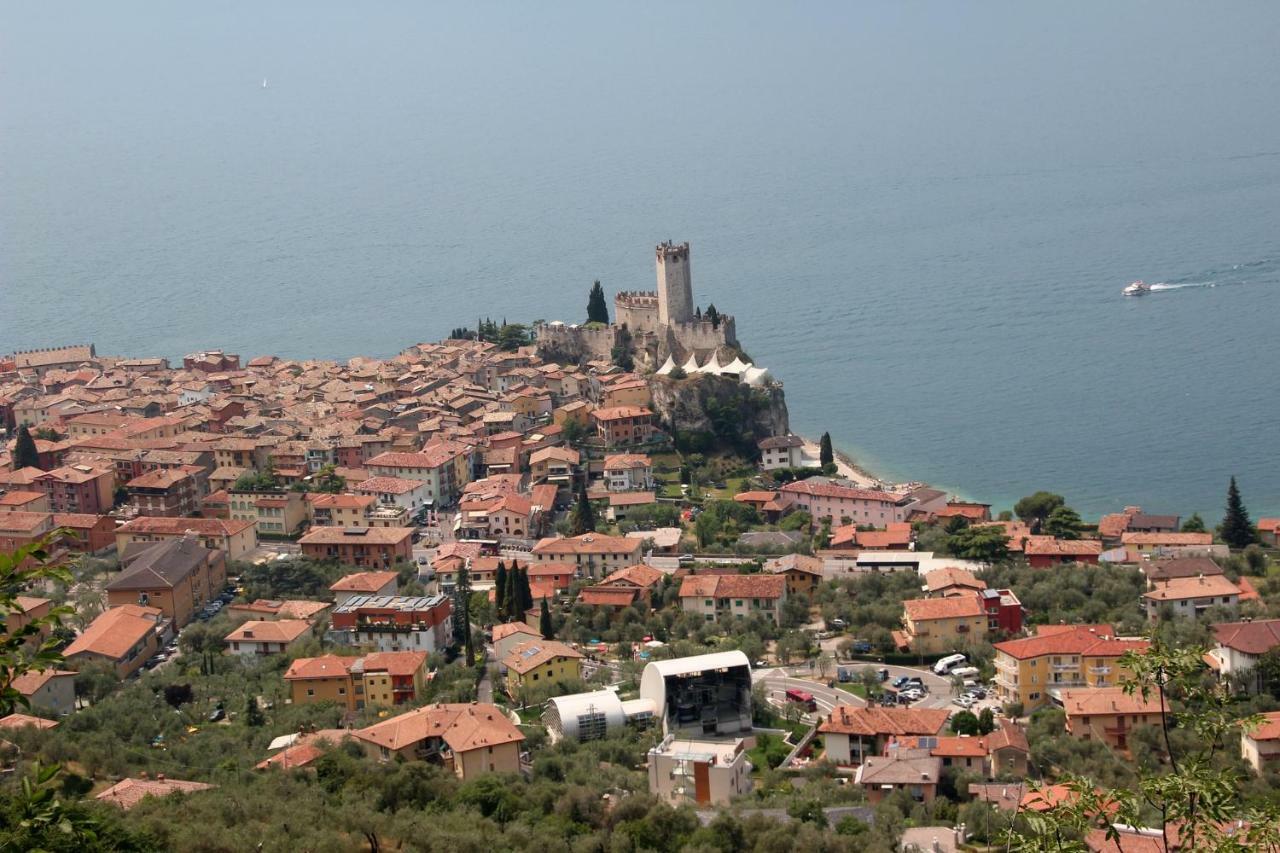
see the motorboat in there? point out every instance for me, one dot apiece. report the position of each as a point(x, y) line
point(1137, 288)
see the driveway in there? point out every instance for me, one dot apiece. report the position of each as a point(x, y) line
point(939, 695)
point(777, 682)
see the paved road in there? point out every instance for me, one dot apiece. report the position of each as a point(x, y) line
point(777, 682)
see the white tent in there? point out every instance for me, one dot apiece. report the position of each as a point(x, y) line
point(667, 367)
point(691, 366)
point(737, 367)
point(756, 376)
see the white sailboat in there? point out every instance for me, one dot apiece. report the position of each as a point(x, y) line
point(264, 82)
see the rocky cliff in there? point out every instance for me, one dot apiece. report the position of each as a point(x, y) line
point(721, 407)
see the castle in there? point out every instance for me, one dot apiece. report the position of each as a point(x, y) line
point(655, 325)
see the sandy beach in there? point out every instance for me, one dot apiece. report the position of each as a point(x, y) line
point(846, 468)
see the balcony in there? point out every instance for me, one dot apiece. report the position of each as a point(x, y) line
point(1099, 670)
point(1065, 667)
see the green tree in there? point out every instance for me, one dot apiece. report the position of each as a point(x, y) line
point(500, 591)
point(985, 544)
point(31, 647)
point(544, 622)
point(713, 315)
point(1036, 509)
point(597, 308)
point(986, 721)
point(826, 455)
point(964, 723)
point(1064, 523)
point(513, 595)
point(526, 592)
point(512, 336)
point(462, 613)
point(583, 518)
point(621, 352)
point(328, 481)
point(253, 712)
point(1194, 524)
point(25, 454)
point(1236, 530)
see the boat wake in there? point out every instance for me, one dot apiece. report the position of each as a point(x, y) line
point(1265, 271)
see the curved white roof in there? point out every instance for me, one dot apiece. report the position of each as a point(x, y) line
point(697, 663)
point(712, 365)
point(736, 366)
point(755, 375)
point(691, 366)
point(667, 367)
point(563, 712)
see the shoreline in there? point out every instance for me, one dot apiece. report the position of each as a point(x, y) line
point(850, 470)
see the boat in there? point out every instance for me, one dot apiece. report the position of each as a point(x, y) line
point(264, 82)
point(1137, 288)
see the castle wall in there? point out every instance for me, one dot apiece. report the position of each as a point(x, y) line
point(574, 343)
point(637, 311)
point(701, 335)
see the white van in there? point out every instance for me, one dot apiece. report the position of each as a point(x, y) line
point(943, 666)
point(964, 672)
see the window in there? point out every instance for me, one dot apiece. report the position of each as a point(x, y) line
point(311, 691)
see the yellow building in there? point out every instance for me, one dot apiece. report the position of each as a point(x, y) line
point(1108, 714)
point(1059, 658)
point(274, 513)
point(933, 626)
point(538, 662)
point(380, 679)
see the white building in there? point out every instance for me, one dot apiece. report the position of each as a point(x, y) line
point(703, 695)
point(590, 716)
point(702, 772)
point(628, 472)
point(267, 638)
point(783, 451)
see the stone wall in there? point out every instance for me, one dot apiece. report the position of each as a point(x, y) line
point(559, 342)
point(638, 311)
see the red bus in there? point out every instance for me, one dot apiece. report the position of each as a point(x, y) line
point(802, 698)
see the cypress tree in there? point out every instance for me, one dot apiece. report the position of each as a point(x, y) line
point(544, 622)
point(25, 454)
point(1236, 530)
point(826, 455)
point(500, 591)
point(253, 713)
point(583, 519)
point(597, 308)
point(526, 592)
point(462, 612)
point(513, 593)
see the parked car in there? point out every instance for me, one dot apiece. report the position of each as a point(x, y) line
point(965, 702)
point(217, 714)
point(901, 681)
point(944, 666)
point(860, 647)
point(908, 696)
point(883, 674)
point(154, 661)
point(888, 699)
point(837, 624)
point(976, 693)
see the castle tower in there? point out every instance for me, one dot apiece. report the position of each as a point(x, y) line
point(675, 284)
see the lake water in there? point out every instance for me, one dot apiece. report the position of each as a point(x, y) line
point(921, 215)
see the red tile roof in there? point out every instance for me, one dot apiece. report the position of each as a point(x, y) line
point(1251, 638)
point(870, 722)
point(957, 607)
point(368, 582)
point(1077, 641)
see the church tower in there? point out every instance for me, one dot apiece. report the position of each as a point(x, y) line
point(675, 284)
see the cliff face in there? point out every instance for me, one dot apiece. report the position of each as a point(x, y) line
point(720, 406)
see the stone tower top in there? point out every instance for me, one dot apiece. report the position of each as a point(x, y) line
point(675, 283)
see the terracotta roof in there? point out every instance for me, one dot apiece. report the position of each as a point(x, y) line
point(178, 526)
point(127, 793)
point(892, 770)
point(341, 501)
point(429, 458)
point(780, 442)
point(534, 653)
point(279, 631)
point(822, 487)
point(18, 721)
point(632, 498)
point(626, 461)
point(462, 727)
point(388, 485)
point(795, 563)
point(306, 749)
point(1098, 701)
point(1113, 525)
point(1167, 539)
point(589, 543)
point(1078, 641)
point(1177, 589)
point(369, 582)
point(326, 666)
point(506, 629)
point(1048, 546)
point(287, 608)
point(940, 579)
point(20, 498)
point(29, 682)
point(1268, 729)
point(870, 722)
point(26, 522)
point(116, 631)
point(760, 497)
point(1180, 567)
point(357, 536)
point(617, 413)
point(1251, 638)
point(638, 575)
point(608, 596)
point(394, 663)
point(1269, 525)
point(160, 478)
point(558, 454)
point(957, 607)
point(733, 586)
